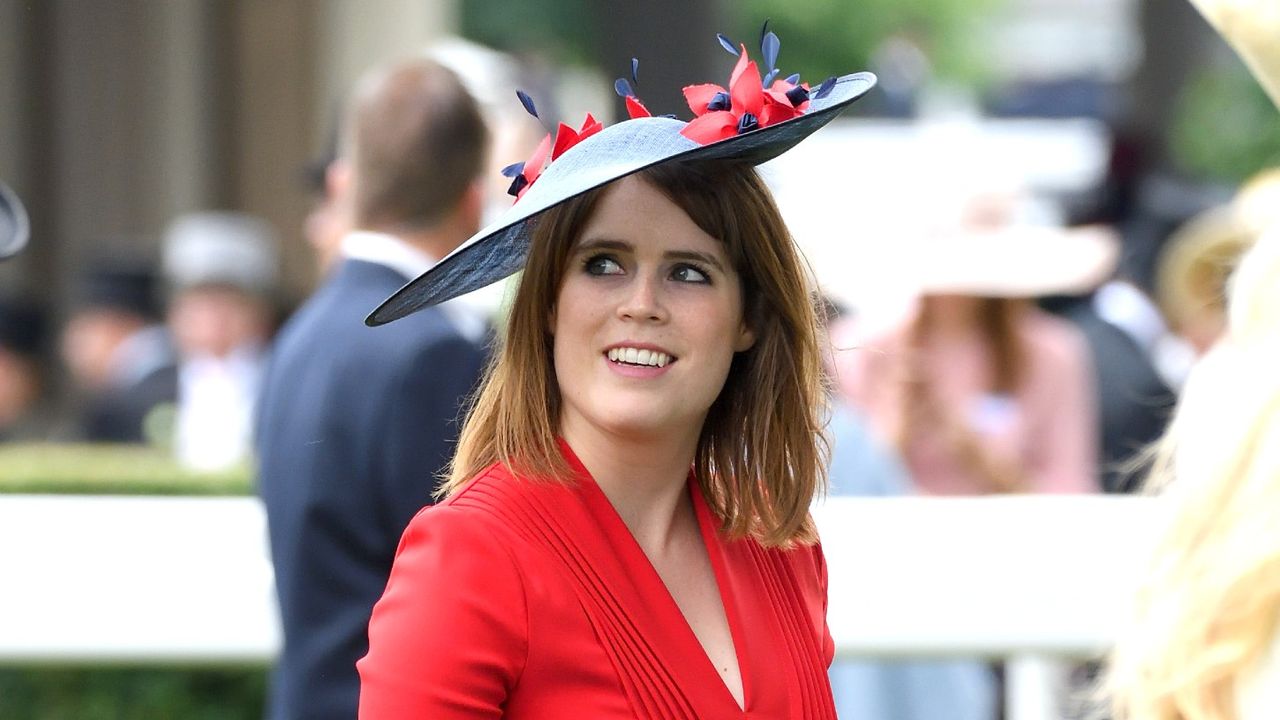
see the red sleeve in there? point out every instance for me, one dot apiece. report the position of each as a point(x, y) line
point(449, 637)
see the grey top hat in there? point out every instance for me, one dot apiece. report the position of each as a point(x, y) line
point(15, 228)
point(610, 154)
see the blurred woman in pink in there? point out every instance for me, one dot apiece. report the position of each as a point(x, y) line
point(980, 391)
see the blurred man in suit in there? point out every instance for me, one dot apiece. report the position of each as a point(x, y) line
point(119, 355)
point(355, 422)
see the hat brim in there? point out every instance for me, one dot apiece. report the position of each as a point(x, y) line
point(628, 147)
point(1018, 262)
point(15, 227)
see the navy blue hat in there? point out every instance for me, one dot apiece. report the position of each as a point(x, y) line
point(596, 156)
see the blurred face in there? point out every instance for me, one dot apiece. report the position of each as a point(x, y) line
point(90, 341)
point(647, 320)
point(216, 320)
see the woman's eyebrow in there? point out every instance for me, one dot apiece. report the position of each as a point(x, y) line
point(604, 244)
point(624, 246)
point(695, 256)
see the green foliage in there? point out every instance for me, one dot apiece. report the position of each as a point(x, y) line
point(1225, 127)
point(822, 37)
point(566, 28)
point(109, 470)
point(38, 693)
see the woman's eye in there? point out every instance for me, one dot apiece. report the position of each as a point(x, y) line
point(689, 274)
point(602, 265)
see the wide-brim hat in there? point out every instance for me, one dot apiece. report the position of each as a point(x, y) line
point(15, 227)
point(615, 152)
point(1024, 261)
point(1200, 256)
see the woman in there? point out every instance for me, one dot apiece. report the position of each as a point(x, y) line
point(978, 390)
point(1203, 641)
point(626, 529)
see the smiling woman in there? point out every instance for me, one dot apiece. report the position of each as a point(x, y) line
point(756, 453)
point(625, 529)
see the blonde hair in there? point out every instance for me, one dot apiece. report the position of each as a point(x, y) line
point(762, 455)
point(1208, 607)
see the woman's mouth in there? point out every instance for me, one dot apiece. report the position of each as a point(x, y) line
point(641, 357)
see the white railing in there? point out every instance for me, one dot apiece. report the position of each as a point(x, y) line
point(188, 580)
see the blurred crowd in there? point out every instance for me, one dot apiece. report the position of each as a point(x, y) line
point(1016, 370)
point(1042, 352)
point(168, 354)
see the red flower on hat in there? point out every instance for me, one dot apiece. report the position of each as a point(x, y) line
point(745, 106)
point(748, 104)
point(524, 174)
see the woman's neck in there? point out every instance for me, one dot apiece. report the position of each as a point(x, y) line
point(644, 479)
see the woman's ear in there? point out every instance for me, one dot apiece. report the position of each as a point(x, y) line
point(746, 339)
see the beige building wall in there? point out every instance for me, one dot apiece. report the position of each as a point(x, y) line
point(117, 115)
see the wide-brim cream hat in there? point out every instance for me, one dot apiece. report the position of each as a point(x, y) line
point(1016, 261)
point(993, 237)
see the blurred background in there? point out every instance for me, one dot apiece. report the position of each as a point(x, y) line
point(117, 117)
point(171, 156)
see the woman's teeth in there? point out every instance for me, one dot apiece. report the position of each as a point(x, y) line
point(636, 356)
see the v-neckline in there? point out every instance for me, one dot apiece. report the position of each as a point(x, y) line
point(684, 641)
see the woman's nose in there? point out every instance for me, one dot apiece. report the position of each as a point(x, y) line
point(644, 301)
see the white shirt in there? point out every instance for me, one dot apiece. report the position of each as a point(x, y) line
point(215, 408)
point(467, 313)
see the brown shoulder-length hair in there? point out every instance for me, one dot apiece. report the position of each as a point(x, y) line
point(762, 454)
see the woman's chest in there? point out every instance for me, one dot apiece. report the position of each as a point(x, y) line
point(598, 649)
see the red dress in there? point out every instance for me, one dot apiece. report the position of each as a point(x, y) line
point(523, 600)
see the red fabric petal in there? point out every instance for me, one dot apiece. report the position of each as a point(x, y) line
point(740, 66)
point(533, 167)
point(566, 137)
point(774, 95)
point(745, 91)
point(590, 126)
point(711, 127)
point(775, 112)
point(636, 109)
point(700, 96)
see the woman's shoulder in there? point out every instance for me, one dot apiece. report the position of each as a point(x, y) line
point(485, 501)
point(496, 504)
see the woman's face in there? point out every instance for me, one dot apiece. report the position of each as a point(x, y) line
point(647, 320)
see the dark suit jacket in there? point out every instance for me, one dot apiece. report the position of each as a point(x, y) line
point(354, 424)
point(119, 415)
point(1135, 403)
